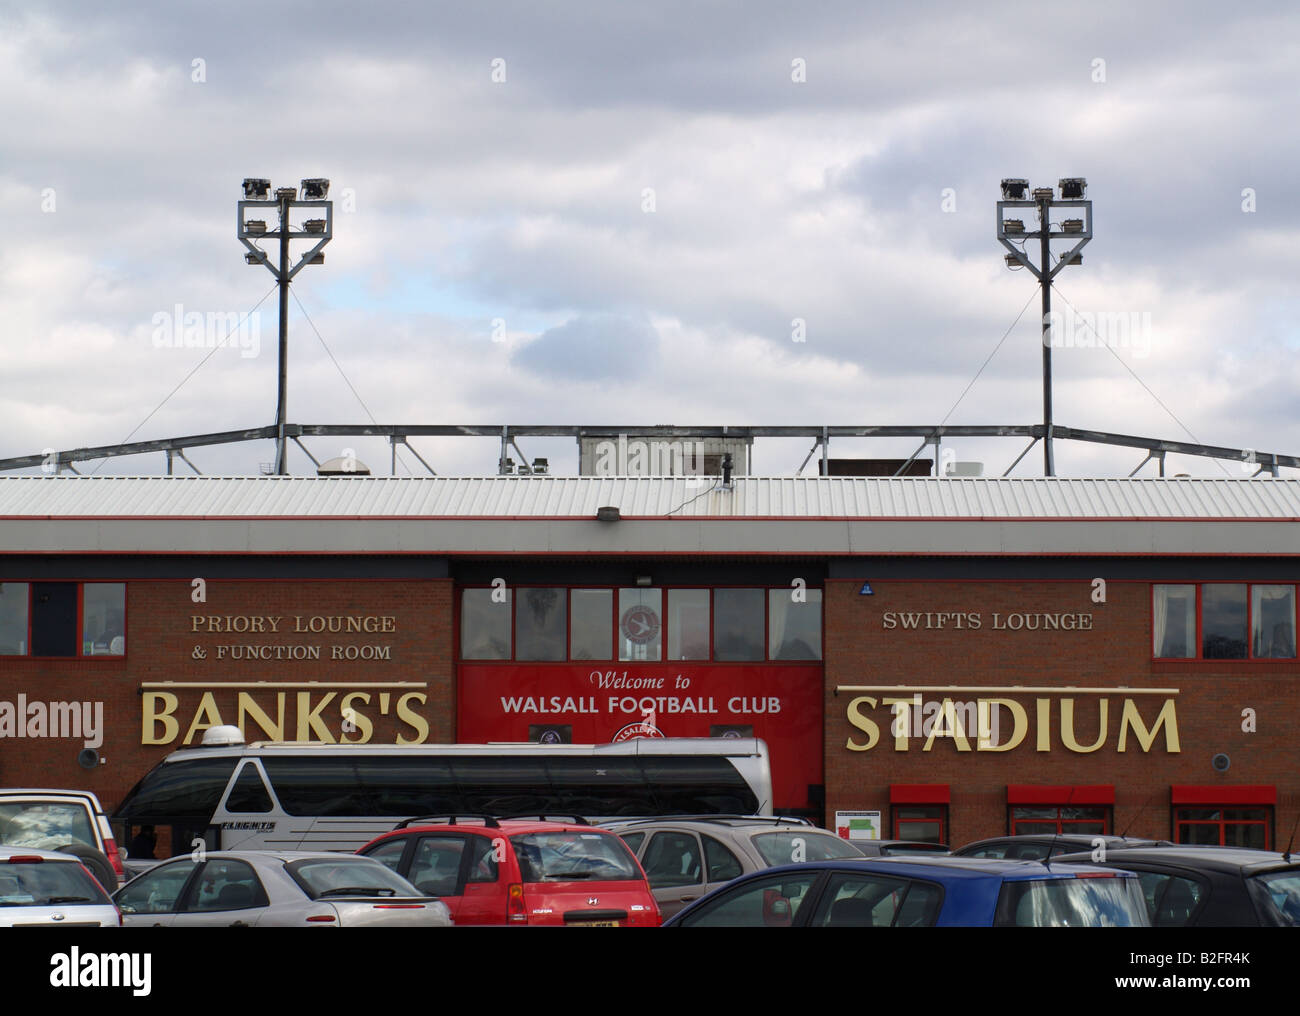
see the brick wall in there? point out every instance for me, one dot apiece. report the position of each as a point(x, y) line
point(861, 650)
point(161, 646)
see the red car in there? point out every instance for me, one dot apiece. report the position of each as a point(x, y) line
point(517, 871)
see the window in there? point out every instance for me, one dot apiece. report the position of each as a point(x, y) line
point(435, 868)
point(249, 794)
point(13, 618)
point(485, 624)
point(640, 624)
point(671, 860)
point(869, 900)
point(389, 854)
point(591, 624)
point(227, 885)
point(1226, 827)
point(794, 628)
point(103, 619)
point(41, 619)
point(771, 902)
point(1173, 625)
point(688, 624)
point(540, 623)
point(647, 624)
point(722, 863)
point(1272, 627)
point(1223, 621)
point(1171, 899)
point(926, 823)
point(156, 891)
point(1051, 821)
point(738, 624)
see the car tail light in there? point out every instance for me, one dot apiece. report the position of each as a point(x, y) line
point(114, 857)
point(1095, 874)
point(27, 859)
point(515, 912)
point(322, 919)
point(399, 906)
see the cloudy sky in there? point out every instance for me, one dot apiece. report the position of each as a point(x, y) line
point(615, 214)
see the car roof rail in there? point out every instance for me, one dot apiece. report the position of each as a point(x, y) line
point(549, 816)
point(488, 820)
point(753, 819)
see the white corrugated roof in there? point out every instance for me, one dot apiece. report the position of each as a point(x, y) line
point(556, 497)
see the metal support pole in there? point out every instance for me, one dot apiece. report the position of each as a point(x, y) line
point(1045, 277)
point(281, 405)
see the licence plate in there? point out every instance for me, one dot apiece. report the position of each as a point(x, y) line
point(593, 924)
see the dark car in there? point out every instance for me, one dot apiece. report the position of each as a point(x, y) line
point(900, 848)
point(1211, 887)
point(917, 892)
point(1036, 846)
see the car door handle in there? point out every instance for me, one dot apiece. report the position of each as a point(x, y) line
point(687, 899)
point(239, 924)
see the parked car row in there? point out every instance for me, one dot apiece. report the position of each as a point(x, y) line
point(696, 870)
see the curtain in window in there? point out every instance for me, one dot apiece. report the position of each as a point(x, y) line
point(1272, 611)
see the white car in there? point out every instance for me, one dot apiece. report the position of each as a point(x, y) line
point(45, 889)
point(66, 821)
point(281, 889)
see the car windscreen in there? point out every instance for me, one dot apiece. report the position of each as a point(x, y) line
point(794, 846)
point(1092, 902)
point(1277, 897)
point(330, 878)
point(47, 883)
point(568, 856)
point(45, 825)
point(176, 792)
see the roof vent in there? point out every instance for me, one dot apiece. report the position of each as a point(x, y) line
point(343, 465)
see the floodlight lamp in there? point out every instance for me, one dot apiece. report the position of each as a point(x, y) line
point(314, 225)
point(286, 193)
point(1013, 225)
point(1040, 193)
point(1014, 189)
point(1073, 187)
point(254, 259)
point(1012, 261)
point(315, 189)
point(1076, 260)
point(318, 259)
point(256, 189)
point(255, 226)
point(1072, 226)
point(608, 513)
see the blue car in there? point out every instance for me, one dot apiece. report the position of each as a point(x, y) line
point(922, 892)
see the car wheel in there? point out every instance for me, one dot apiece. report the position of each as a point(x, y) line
point(96, 861)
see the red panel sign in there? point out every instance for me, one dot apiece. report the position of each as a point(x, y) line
point(602, 702)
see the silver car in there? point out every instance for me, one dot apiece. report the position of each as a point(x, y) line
point(46, 889)
point(270, 888)
point(685, 858)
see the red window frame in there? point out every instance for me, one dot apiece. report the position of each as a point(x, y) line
point(80, 620)
point(1198, 639)
point(764, 660)
point(1264, 822)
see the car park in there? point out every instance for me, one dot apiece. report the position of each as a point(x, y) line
point(916, 892)
point(690, 856)
point(1036, 846)
point(520, 871)
point(65, 821)
point(1212, 887)
point(46, 889)
point(266, 888)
